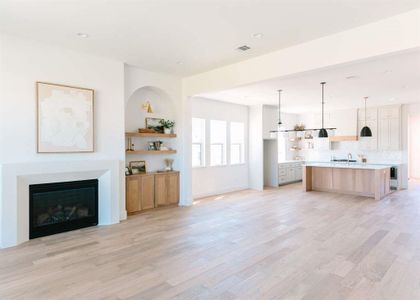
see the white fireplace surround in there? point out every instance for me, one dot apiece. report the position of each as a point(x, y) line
point(14, 196)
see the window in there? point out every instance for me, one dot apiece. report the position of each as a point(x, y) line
point(217, 143)
point(198, 142)
point(237, 143)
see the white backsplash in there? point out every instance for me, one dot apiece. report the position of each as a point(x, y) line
point(341, 150)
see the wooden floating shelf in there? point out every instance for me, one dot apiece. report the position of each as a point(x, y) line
point(151, 152)
point(138, 134)
point(342, 138)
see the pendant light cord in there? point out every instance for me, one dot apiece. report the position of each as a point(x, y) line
point(365, 111)
point(322, 84)
point(279, 107)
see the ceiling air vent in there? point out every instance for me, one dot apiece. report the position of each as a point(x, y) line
point(243, 48)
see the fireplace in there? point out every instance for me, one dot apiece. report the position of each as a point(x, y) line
point(63, 206)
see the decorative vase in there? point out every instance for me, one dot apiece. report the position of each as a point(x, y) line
point(167, 130)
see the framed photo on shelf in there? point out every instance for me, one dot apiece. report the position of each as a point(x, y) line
point(154, 124)
point(65, 118)
point(137, 167)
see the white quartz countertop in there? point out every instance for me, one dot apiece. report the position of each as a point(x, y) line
point(346, 165)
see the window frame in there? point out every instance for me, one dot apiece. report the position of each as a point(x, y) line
point(202, 143)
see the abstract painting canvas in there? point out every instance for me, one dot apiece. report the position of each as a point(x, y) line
point(65, 118)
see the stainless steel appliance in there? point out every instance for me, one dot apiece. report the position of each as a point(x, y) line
point(394, 178)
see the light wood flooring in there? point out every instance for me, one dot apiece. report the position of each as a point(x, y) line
point(277, 244)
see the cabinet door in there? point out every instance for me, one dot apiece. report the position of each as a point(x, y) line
point(394, 134)
point(298, 172)
point(384, 134)
point(161, 191)
point(173, 188)
point(282, 179)
point(389, 128)
point(147, 192)
point(290, 174)
point(133, 202)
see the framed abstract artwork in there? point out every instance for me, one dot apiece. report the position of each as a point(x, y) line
point(65, 118)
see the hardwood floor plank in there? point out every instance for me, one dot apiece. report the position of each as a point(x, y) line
point(281, 243)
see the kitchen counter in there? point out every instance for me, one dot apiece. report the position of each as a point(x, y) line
point(369, 180)
point(347, 165)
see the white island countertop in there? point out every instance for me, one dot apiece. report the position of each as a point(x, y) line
point(343, 165)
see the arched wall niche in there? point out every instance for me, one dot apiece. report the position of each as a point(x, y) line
point(162, 104)
point(164, 108)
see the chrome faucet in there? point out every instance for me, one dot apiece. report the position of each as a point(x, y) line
point(349, 157)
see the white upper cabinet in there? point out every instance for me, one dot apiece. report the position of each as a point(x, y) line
point(389, 128)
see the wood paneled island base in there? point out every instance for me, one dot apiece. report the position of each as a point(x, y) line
point(364, 180)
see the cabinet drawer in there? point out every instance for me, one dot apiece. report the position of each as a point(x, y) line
point(282, 171)
point(282, 179)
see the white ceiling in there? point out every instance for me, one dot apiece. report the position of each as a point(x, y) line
point(388, 80)
point(202, 34)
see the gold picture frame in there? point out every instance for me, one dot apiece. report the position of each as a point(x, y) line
point(137, 167)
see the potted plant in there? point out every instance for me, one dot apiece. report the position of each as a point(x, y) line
point(167, 125)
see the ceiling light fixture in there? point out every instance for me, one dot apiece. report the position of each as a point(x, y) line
point(257, 35)
point(179, 62)
point(352, 77)
point(83, 35)
point(323, 132)
point(365, 132)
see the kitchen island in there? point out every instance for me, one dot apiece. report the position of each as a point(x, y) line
point(356, 179)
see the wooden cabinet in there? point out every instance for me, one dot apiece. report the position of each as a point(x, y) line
point(150, 190)
point(166, 188)
point(322, 178)
point(140, 192)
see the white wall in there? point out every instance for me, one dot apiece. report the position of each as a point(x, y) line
point(22, 63)
point(414, 147)
point(219, 179)
point(408, 111)
point(25, 62)
point(256, 148)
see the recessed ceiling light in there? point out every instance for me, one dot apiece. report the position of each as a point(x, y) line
point(257, 35)
point(179, 62)
point(82, 35)
point(387, 71)
point(352, 77)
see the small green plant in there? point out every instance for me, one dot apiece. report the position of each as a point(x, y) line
point(167, 123)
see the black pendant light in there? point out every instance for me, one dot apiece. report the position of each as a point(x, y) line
point(365, 132)
point(279, 122)
point(323, 132)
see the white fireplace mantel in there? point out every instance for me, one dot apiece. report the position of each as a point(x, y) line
point(14, 192)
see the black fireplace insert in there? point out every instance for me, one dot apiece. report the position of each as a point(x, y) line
point(63, 206)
